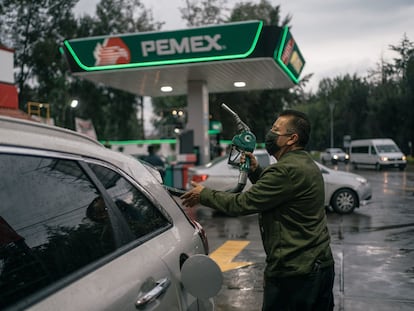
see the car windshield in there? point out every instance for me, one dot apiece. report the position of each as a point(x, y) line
point(387, 148)
point(336, 150)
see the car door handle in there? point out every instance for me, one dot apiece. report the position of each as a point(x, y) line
point(159, 288)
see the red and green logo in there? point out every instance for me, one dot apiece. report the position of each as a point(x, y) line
point(111, 52)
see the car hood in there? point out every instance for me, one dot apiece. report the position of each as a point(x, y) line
point(342, 176)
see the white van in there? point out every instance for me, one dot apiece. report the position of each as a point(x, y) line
point(379, 152)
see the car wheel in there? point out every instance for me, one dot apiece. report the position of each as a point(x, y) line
point(401, 167)
point(334, 162)
point(355, 165)
point(378, 167)
point(323, 161)
point(344, 201)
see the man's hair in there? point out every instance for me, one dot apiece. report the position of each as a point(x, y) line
point(151, 149)
point(299, 123)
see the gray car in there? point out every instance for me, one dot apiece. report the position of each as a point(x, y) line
point(85, 228)
point(334, 155)
point(343, 191)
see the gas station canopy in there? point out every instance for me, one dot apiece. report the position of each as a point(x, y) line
point(229, 57)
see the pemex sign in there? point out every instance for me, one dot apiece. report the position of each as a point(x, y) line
point(288, 55)
point(202, 46)
point(228, 41)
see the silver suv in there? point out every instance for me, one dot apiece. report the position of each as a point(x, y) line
point(86, 228)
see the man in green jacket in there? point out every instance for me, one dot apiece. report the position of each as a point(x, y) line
point(289, 198)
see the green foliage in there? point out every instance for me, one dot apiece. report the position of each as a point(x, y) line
point(204, 12)
point(167, 122)
point(36, 29)
point(263, 11)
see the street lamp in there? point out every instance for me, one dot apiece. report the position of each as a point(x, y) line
point(74, 103)
point(331, 108)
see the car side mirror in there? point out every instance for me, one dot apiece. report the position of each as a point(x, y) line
point(201, 276)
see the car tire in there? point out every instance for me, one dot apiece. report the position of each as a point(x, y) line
point(378, 167)
point(323, 161)
point(355, 166)
point(344, 201)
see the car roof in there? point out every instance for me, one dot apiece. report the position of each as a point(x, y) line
point(30, 134)
point(335, 149)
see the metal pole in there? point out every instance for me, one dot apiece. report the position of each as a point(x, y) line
point(331, 108)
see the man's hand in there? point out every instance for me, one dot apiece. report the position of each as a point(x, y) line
point(253, 161)
point(192, 197)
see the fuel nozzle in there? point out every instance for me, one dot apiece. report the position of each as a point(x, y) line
point(244, 141)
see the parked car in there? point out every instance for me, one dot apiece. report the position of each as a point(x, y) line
point(334, 155)
point(343, 191)
point(83, 227)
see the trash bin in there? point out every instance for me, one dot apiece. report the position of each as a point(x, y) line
point(176, 175)
point(178, 181)
point(169, 176)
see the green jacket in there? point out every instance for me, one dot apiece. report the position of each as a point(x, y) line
point(289, 197)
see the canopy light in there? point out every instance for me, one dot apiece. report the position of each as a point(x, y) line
point(239, 84)
point(166, 89)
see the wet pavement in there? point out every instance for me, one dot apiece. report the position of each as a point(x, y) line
point(373, 250)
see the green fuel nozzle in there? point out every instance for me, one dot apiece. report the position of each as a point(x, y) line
point(244, 141)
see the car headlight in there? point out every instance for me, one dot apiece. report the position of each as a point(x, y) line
point(335, 156)
point(362, 180)
point(347, 156)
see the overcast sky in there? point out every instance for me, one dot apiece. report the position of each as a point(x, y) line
point(336, 37)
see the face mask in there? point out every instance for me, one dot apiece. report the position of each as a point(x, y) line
point(270, 143)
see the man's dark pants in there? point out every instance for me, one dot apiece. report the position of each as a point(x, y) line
point(313, 292)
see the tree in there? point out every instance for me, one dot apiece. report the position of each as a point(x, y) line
point(36, 29)
point(264, 11)
point(123, 16)
point(167, 121)
point(394, 95)
point(204, 12)
point(27, 24)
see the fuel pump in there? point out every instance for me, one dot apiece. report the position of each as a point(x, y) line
point(244, 141)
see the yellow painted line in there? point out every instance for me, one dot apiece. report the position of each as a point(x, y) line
point(225, 254)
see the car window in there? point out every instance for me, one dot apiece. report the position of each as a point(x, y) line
point(142, 216)
point(360, 149)
point(387, 148)
point(52, 223)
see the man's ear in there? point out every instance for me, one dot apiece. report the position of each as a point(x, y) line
point(293, 139)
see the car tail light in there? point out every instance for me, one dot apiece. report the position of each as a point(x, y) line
point(199, 178)
point(200, 230)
